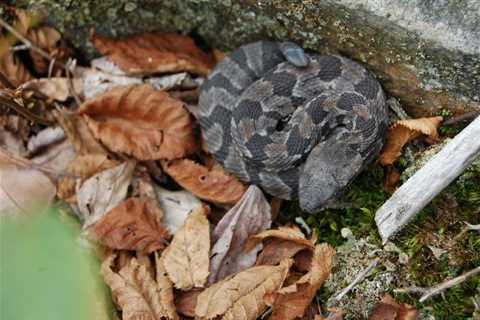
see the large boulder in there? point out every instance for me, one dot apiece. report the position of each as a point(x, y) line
point(426, 53)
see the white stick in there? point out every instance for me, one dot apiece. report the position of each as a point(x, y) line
point(428, 181)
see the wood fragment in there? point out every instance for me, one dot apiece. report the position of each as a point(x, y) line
point(428, 181)
point(433, 291)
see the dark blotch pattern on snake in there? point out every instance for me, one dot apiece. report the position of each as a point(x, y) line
point(299, 131)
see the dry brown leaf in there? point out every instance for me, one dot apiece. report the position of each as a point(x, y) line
point(292, 301)
point(251, 215)
point(392, 178)
point(187, 258)
point(137, 294)
point(276, 250)
point(242, 296)
point(404, 131)
point(56, 88)
point(214, 184)
point(389, 309)
point(80, 169)
point(135, 224)
point(186, 301)
point(140, 121)
point(13, 69)
point(290, 233)
point(78, 133)
point(23, 189)
point(154, 52)
point(103, 191)
point(50, 40)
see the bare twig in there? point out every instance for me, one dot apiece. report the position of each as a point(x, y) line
point(28, 43)
point(362, 275)
point(433, 291)
point(71, 65)
point(411, 290)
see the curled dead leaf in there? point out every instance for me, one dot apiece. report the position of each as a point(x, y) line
point(242, 296)
point(186, 260)
point(292, 301)
point(290, 233)
point(186, 301)
point(135, 224)
point(404, 131)
point(213, 184)
point(154, 52)
point(137, 293)
point(389, 309)
point(140, 121)
point(276, 250)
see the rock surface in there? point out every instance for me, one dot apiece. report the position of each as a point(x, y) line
point(426, 53)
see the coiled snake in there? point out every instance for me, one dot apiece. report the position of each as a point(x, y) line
point(299, 125)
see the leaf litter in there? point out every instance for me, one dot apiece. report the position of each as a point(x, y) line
point(167, 253)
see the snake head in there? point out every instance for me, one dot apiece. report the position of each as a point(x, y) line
point(329, 168)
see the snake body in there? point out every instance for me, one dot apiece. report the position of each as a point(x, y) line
point(297, 131)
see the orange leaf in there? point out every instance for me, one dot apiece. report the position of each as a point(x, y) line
point(132, 225)
point(210, 184)
point(292, 301)
point(186, 301)
point(290, 233)
point(389, 309)
point(277, 250)
point(154, 52)
point(404, 131)
point(140, 121)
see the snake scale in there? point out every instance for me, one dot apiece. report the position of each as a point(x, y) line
point(299, 125)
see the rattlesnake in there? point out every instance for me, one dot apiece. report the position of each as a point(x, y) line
point(299, 125)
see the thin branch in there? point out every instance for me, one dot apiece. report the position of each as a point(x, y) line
point(28, 43)
point(411, 290)
point(362, 275)
point(71, 65)
point(448, 284)
point(433, 291)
